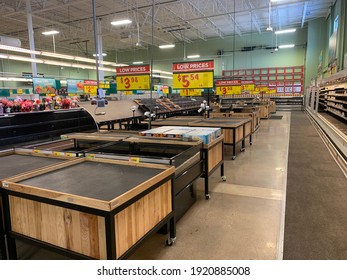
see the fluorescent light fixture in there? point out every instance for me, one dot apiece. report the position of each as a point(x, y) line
point(51, 32)
point(160, 76)
point(16, 49)
point(137, 62)
point(193, 56)
point(58, 63)
point(160, 71)
point(285, 31)
point(15, 79)
point(121, 22)
point(103, 54)
point(286, 46)
point(57, 55)
point(167, 46)
point(23, 58)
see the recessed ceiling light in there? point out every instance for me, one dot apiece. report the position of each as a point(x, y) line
point(285, 31)
point(121, 22)
point(137, 62)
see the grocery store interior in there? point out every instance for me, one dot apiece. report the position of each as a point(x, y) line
point(173, 129)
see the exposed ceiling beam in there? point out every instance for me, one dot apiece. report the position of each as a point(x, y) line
point(197, 11)
point(199, 33)
point(303, 15)
point(254, 16)
point(236, 26)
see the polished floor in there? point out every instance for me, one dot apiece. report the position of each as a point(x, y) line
point(244, 218)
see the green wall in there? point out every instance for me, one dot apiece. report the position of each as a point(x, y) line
point(258, 58)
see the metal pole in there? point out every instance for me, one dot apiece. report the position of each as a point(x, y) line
point(31, 37)
point(53, 44)
point(96, 45)
point(151, 81)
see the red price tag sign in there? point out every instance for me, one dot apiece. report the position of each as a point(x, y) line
point(193, 80)
point(138, 82)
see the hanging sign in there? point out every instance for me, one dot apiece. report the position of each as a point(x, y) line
point(133, 78)
point(190, 92)
point(44, 86)
point(224, 87)
point(75, 86)
point(195, 74)
point(90, 87)
point(247, 85)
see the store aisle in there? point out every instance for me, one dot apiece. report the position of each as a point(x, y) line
point(244, 217)
point(316, 221)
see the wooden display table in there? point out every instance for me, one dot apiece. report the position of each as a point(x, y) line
point(212, 153)
point(254, 115)
point(235, 130)
point(104, 214)
point(14, 162)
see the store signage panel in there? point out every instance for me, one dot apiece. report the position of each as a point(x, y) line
point(75, 86)
point(133, 77)
point(193, 75)
point(90, 87)
point(193, 80)
point(224, 90)
point(138, 82)
point(44, 86)
point(194, 66)
point(224, 87)
point(247, 85)
point(190, 92)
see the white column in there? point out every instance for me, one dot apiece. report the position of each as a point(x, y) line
point(31, 37)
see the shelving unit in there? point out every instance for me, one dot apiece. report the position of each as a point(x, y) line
point(288, 102)
point(333, 98)
point(286, 80)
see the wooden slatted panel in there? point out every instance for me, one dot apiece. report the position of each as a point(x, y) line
point(132, 223)
point(248, 128)
point(215, 156)
point(69, 229)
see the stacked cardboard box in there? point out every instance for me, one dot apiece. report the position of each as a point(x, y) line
point(206, 134)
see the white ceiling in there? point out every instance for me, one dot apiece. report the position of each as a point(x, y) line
point(174, 21)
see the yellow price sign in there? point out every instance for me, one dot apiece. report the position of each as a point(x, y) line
point(228, 90)
point(190, 92)
point(247, 87)
point(139, 82)
point(193, 80)
point(128, 92)
point(134, 159)
point(104, 84)
point(90, 89)
point(271, 91)
point(262, 89)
